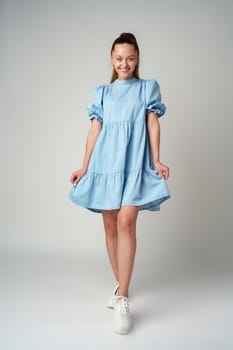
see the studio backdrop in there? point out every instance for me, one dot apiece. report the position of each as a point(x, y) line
point(53, 55)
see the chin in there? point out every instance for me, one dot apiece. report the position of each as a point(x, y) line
point(125, 76)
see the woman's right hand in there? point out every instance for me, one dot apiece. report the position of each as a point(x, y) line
point(77, 175)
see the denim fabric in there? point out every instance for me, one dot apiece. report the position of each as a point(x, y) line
point(121, 171)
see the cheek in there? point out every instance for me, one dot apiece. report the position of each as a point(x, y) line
point(133, 64)
point(116, 63)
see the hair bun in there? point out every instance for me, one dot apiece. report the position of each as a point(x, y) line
point(127, 35)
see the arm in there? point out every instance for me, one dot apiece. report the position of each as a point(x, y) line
point(92, 137)
point(153, 128)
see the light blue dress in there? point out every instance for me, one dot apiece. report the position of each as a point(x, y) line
point(121, 170)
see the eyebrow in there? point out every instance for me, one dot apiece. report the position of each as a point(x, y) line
point(127, 56)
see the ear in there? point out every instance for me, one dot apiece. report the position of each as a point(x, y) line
point(111, 59)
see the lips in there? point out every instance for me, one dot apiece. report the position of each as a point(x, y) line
point(123, 69)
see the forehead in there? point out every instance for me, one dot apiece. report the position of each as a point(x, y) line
point(124, 50)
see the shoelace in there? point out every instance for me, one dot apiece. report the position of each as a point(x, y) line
point(123, 306)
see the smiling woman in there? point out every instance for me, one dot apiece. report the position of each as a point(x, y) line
point(122, 172)
point(125, 57)
point(124, 60)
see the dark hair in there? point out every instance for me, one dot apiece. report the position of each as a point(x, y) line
point(125, 38)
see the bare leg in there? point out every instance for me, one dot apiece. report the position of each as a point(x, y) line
point(126, 246)
point(110, 226)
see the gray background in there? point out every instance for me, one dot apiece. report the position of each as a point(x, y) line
point(53, 54)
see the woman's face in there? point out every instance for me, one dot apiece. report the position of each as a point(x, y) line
point(124, 59)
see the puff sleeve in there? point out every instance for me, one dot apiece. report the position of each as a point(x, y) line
point(153, 98)
point(95, 110)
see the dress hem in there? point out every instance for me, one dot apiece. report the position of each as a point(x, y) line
point(142, 206)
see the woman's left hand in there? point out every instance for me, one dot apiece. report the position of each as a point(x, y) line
point(162, 169)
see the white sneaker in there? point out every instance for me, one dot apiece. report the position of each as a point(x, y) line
point(122, 319)
point(112, 298)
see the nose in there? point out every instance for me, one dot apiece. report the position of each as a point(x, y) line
point(124, 63)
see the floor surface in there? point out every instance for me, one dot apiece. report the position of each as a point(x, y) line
point(55, 303)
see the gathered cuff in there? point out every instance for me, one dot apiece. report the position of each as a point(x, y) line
point(94, 112)
point(158, 108)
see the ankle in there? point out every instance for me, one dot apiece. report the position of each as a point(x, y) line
point(122, 292)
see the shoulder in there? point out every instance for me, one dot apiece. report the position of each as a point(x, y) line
point(101, 89)
point(98, 92)
point(150, 83)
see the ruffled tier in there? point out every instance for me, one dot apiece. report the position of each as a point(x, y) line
point(142, 188)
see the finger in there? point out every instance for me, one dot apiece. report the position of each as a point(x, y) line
point(76, 180)
point(165, 174)
point(73, 179)
point(161, 173)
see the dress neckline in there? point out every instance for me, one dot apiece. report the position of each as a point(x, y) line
point(125, 81)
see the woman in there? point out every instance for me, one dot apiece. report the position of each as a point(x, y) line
point(122, 172)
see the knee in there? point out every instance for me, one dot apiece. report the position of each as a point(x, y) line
point(125, 223)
